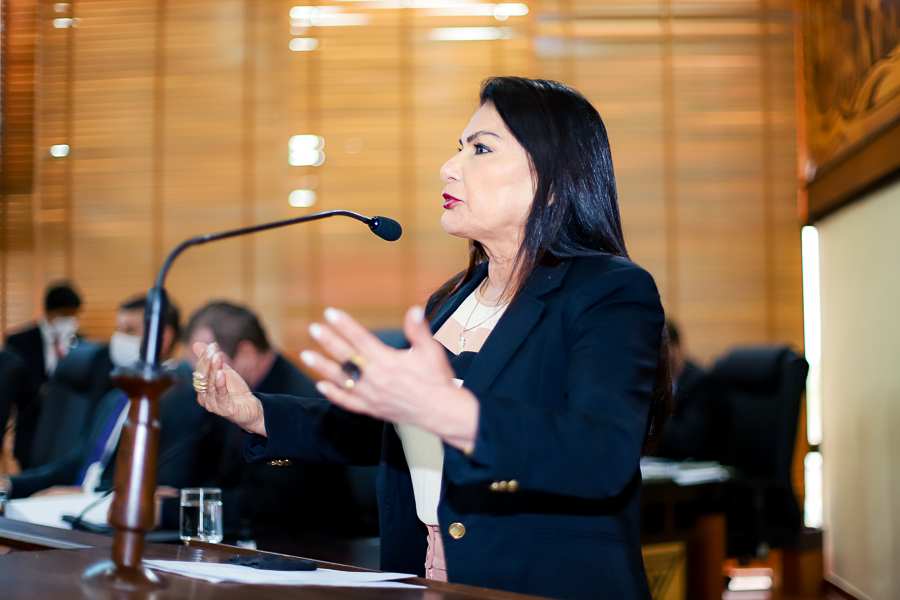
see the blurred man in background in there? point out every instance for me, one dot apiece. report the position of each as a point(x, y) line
point(42, 345)
point(90, 464)
point(692, 431)
point(263, 500)
point(39, 347)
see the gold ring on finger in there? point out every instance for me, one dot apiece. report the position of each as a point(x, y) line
point(349, 383)
point(200, 387)
point(198, 376)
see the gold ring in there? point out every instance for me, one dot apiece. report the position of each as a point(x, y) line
point(198, 376)
point(349, 384)
point(200, 387)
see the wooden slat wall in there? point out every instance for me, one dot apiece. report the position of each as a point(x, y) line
point(179, 115)
point(17, 160)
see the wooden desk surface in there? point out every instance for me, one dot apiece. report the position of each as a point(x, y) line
point(52, 573)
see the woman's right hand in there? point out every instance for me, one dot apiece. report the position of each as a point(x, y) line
point(226, 393)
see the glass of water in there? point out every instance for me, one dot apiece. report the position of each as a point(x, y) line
point(201, 514)
point(3, 493)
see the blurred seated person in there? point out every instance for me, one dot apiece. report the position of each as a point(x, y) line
point(41, 346)
point(12, 382)
point(696, 422)
point(90, 465)
point(262, 498)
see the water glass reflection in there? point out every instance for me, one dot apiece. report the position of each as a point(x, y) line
point(201, 514)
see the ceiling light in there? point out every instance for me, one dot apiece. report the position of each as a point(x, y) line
point(306, 151)
point(304, 44)
point(302, 198)
point(459, 34)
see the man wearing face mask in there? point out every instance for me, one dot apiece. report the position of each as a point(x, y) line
point(40, 348)
point(90, 465)
point(43, 345)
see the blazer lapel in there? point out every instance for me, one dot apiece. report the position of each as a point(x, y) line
point(514, 326)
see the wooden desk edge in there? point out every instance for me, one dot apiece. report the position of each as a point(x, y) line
point(458, 588)
point(28, 536)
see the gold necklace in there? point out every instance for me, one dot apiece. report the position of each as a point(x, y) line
point(461, 344)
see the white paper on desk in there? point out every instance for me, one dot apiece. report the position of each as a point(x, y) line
point(221, 572)
point(49, 510)
point(658, 468)
point(690, 474)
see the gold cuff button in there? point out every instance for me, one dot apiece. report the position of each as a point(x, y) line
point(457, 530)
point(503, 486)
point(281, 462)
point(495, 486)
point(513, 485)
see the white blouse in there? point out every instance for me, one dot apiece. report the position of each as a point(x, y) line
point(425, 451)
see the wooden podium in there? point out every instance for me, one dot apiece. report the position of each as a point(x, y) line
point(135, 482)
point(45, 562)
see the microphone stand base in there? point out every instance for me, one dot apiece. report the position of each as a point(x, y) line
point(110, 576)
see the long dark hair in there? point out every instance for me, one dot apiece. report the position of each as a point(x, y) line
point(575, 211)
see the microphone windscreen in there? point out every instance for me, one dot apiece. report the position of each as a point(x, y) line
point(386, 229)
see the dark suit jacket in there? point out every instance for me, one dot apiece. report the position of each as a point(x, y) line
point(308, 496)
point(183, 425)
point(29, 345)
point(564, 384)
point(12, 383)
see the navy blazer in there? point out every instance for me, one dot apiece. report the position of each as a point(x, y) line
point(265, 497)
point(549, 497)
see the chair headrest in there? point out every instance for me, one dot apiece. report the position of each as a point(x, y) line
point(755, 369)
point(79, 368)
point(395, 338)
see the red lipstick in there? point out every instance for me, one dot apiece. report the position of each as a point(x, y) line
point(450, 200)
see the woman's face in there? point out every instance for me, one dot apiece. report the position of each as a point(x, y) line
point(490, 186)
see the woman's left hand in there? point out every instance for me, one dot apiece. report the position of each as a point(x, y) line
point(401, 386)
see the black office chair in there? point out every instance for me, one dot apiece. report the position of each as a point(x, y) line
point(13, 386)
point(67, 406)
point(762, 389)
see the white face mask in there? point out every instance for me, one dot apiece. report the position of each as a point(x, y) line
point(124, 349)
point(65, 327)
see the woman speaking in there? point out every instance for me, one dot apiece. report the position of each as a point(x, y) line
point(509, 437)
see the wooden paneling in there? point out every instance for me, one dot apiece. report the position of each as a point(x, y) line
point(698, 99)
point(18, 46)
point(18, 50)
point(179, 116)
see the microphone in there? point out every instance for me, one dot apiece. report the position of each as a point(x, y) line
point(157, 300)
point(386, 229)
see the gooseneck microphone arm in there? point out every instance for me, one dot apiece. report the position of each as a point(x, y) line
point(157, 301)
point(132, 509)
